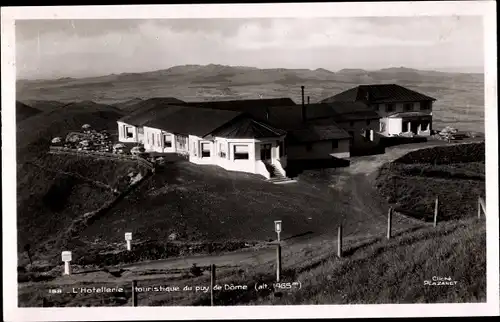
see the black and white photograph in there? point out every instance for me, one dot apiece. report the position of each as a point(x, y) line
point(316, 157)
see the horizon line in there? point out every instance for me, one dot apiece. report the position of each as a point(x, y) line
point(448, 70)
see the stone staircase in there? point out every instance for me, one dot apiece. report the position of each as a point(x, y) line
point(276, 176)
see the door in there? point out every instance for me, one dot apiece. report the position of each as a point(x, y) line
point(265, 152)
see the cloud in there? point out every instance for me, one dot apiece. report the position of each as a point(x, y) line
point(137, 45)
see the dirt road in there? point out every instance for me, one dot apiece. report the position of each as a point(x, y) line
point(357, 191)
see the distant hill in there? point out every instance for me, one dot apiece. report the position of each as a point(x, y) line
point(124, 105)
point(44, 106)
point(35, 133)
point(460, 96)
point(352, 71)
point(191, 76)
point(24, 111)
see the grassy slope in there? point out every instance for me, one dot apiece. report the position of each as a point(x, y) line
point(33, 135)
point(394, 271)
point(24, 111)
point(413, 187)
point(373, 271)
point(48, 199)
point(206, 203)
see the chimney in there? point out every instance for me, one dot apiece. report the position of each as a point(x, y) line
point(303, 106)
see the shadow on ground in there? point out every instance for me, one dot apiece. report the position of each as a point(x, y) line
point(296, 167)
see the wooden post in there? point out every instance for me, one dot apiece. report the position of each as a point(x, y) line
point(134, 294)
point(212, 283)
point(339, 242)
point(436, 210)
point(278, 262)
point(389, 223)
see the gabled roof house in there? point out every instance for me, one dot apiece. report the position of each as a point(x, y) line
point(401, 110)
point(255, 136)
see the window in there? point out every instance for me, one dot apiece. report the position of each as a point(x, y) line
point(205, 150)
point(158, 139)
point(351, 123)
point(382, 126)
point(309, 147)
point(152, 139)
point(167, 140)
point(181, 142)
point(389, 108)
point(427, 105)
point(222, 150)
point(241, 152)
point(335, 144)
point(195, 152)
point(129, 132)
point(408, 107)
point(367, 122)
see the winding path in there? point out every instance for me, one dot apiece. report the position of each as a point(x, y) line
point(357, 192)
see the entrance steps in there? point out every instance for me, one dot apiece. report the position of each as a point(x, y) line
point(276, 176)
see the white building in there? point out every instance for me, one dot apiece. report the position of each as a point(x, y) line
point(401, 110)
point(231, 140)
point(247, 136)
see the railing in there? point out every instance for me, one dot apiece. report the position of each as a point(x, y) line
point(144, 162)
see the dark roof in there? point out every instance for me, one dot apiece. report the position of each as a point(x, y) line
point(191, 120)
point(312, 133)
point(255, 107)
point(146, 114)
point(409, 114)
point(352, 111)
point(144, 109)
point(247, 128)
point(379, 93)
point(290, 117)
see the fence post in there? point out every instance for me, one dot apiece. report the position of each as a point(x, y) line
point(212, 283)
point(134, 294)
point(278, 262)
point(436, 210)
point(339, 242)
point(389, 223)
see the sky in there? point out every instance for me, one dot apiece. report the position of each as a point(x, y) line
point(82, 48)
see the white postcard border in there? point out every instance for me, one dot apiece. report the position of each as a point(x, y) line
point(486, 9)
